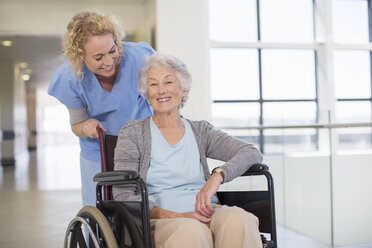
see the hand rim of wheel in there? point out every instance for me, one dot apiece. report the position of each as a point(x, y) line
point(102, 222)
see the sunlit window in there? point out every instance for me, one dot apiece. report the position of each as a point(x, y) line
point(234, 73)
point(55, 127)
point(253, 86)
point(352, 74)
point(236, 114)
point(350, 21)
point(264, 69)
point(289, 21)
point(56, 119)
point(288, 74)
point(237, 22)
point(289, 113)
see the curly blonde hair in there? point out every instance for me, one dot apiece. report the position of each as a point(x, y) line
point(80, 28)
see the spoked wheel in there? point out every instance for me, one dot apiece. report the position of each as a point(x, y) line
point(100, 233)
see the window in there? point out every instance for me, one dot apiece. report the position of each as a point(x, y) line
point(288, 74)
point(288, 21)
point(259, 75)
point(237, 23)
point(234, 73)
point(265, 60)
point(352, 71)
point(350, 21)
point(55, 126)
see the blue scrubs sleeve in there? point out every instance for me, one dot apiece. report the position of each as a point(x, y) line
point(63, 86)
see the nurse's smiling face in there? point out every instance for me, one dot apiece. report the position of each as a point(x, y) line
point(101, 55)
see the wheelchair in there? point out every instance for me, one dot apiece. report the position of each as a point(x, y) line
point(114, 224)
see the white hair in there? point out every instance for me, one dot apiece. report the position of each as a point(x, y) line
point(169, 62)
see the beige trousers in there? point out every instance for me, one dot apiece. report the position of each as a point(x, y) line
point(230, 227)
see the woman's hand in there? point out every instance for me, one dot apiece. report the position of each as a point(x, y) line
point(203, 205)
point(87, 128)
point(159, 213)
point(196, 216)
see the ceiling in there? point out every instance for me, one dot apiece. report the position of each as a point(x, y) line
point(41, 53)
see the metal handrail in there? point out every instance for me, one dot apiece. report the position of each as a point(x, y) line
point(325, 125)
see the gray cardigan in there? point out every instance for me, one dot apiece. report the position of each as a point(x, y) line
point(133, 152)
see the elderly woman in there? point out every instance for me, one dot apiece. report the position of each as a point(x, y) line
point(170, 154)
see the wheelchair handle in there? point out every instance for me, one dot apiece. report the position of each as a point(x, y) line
point(102, 148)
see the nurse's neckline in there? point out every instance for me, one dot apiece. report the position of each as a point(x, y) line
point(107, 83)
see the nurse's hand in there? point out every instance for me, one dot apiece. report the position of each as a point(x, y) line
point(87, 128)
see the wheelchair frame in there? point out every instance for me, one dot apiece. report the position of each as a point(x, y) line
point(102, 221)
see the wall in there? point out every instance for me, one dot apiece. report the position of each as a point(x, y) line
point(146, 32)
point(31, 118)
point(6, 112)
point(352, 198)
point(13, 113)
point(50, 17)
point(182, 31)
point(42, 18)
point(19, 113)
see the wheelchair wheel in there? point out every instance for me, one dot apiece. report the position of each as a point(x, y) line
point(100, 233)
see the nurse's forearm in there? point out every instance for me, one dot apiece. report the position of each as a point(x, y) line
point(86, 128)
point(77, 129)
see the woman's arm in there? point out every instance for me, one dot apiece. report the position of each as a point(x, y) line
point(203, 205)
point(237, 154)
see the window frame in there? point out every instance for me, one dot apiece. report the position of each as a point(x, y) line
point(265, 45)
point(323, 48)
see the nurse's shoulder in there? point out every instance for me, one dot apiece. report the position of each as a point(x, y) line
point(137, 50)
point(64, 74)
point(64, 85)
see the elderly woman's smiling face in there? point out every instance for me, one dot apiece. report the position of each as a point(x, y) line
point(164, 90)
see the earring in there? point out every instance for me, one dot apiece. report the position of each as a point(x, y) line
point(183, 99)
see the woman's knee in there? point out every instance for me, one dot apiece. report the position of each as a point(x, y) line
point(234, 216)
point(194, 230)
point(184, 231)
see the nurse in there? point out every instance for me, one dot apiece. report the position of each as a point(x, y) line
point(98, 85)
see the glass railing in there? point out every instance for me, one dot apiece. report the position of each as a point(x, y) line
point(323, 187)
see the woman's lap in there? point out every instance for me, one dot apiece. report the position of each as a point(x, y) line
point(229, 226)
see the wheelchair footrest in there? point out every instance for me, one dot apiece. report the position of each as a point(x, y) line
point(267, 243)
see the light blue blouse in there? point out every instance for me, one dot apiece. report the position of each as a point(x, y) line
point(175, 175)
point(113, 109)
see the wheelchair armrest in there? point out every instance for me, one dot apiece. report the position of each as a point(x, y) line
point(115, 176)
point(256, 169)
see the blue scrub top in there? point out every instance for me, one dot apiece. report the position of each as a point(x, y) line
point(113, 109)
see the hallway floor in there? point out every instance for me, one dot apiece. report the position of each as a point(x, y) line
point(41, 194)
